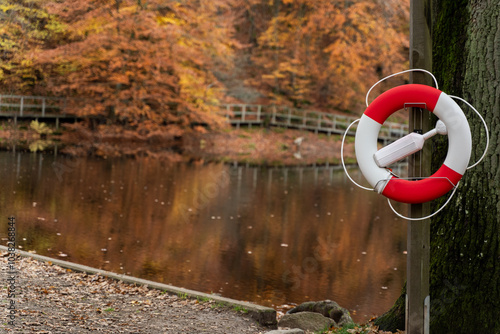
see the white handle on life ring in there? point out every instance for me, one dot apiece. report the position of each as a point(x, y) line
point(459, 144)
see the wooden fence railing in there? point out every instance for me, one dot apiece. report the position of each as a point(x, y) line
point(24, 106)
point(19, 106)
point(316, 121)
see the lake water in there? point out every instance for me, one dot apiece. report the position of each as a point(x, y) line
point(267, 235)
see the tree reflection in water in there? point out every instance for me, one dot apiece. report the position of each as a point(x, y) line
point(270, 236)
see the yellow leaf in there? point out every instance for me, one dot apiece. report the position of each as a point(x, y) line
point(170, 19)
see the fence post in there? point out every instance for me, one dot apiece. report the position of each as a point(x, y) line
point(21, 106)
point(318, 126)
point(43, 107)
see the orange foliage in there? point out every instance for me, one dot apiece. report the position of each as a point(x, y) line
point(324, 53)
point(158, 63)
point(133, 61)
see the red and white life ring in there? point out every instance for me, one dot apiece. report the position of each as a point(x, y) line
point(459, 144)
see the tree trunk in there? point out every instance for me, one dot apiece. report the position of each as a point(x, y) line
point(465, 237)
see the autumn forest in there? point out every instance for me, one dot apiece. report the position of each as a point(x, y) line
point(153, 63)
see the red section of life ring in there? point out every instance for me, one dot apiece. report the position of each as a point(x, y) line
point(394, 99)
point(459, 148)
point(423, 190)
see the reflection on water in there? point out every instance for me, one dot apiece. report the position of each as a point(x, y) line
point(271, 236)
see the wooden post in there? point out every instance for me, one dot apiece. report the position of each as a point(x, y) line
point(419, 166)
point(43, 107)
point(21, 106)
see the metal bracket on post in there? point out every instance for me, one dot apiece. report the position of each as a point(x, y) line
point(427, 314)
point(407, 309)
point(421, 105)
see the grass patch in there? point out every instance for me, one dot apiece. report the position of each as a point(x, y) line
point(239, 308)
point(251, 146)
point(348, 329)
point(244, 136)
point(350, 161)
point(203, 299)
point(349, 139)
point(182, 295)
point(217, 305)
point(283, 147)
point(278, 130)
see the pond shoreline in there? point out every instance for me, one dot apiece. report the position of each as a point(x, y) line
point(254, 147)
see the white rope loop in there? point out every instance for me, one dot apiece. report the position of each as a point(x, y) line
point(426, 217)
point(402, 72)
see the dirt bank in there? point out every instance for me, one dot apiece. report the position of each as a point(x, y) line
point(271, 147)
point(257, 146)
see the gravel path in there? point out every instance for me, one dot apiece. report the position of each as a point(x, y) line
point(51, 299)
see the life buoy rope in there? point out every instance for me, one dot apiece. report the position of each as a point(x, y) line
point(459, 144)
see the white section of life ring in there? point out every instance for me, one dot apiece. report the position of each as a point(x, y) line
point(365, 147)
point(459, 136)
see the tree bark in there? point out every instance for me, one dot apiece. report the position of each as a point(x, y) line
point(465, 236)
point(394, 319)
